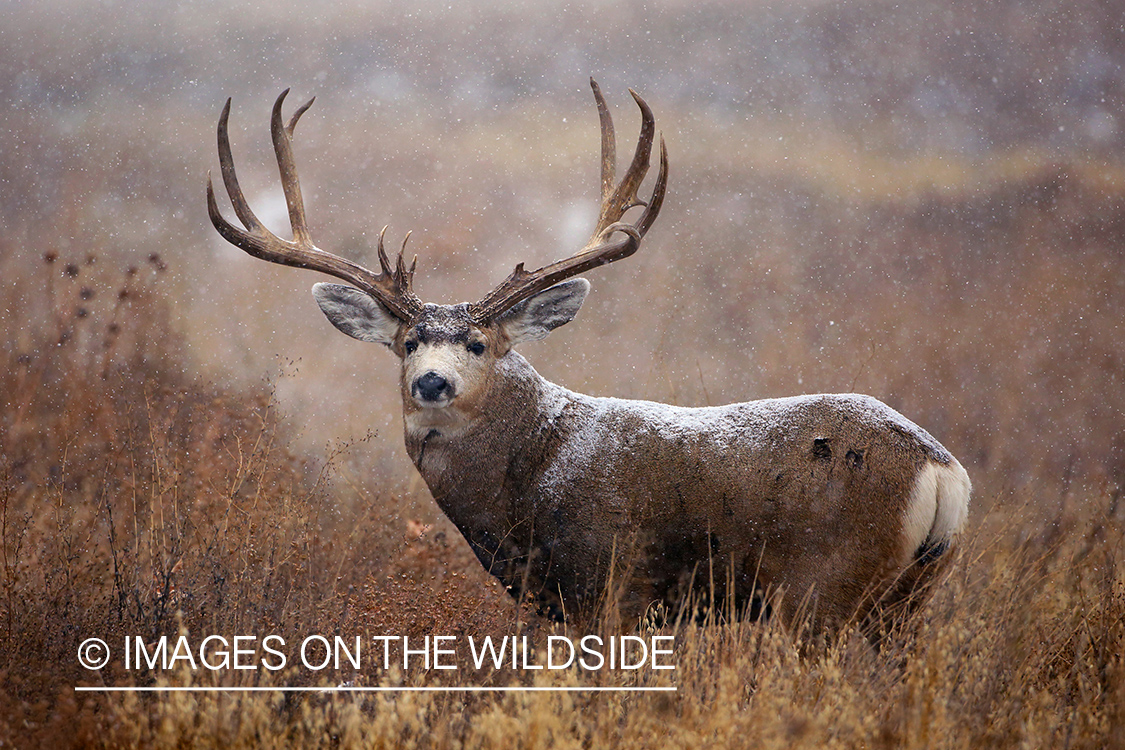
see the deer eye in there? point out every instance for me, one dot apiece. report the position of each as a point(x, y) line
point(410, 346)
point(476, 348)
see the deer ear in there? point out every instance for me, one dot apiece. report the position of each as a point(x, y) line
point(537, 316)
point(356, 313)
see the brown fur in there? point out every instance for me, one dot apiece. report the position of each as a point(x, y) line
point(803, 495)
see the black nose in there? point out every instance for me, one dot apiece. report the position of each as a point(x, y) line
point(431, 386)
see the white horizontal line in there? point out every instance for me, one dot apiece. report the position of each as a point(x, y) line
point(469, 689)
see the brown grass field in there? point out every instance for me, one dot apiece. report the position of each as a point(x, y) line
point(187, 448)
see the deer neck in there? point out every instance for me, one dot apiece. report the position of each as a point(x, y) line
point(479, 456)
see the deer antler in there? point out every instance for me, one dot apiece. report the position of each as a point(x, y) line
point(616, 200)
point(393, 288)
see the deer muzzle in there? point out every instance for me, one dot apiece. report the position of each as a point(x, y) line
point(432, 390)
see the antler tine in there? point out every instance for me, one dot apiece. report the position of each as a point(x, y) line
point(609, 145)
point(384, 264)
point(230, 182)
point(402, 275)
point(656, 200)
point(283, 146)
point(391, 288)
point(616, 200)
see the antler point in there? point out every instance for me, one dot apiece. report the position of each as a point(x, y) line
point(259, 242)
point(617, 198)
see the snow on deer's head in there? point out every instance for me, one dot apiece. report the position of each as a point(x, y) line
point(448, 357)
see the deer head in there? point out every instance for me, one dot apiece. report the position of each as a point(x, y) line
point(448, 351)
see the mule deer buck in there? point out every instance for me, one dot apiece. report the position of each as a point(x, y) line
point(837, 500)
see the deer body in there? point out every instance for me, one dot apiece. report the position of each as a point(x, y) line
point(836, 501)
point(797, 494)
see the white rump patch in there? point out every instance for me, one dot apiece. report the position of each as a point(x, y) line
point(938, 507)
point(953, 488)
point(922, 509)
